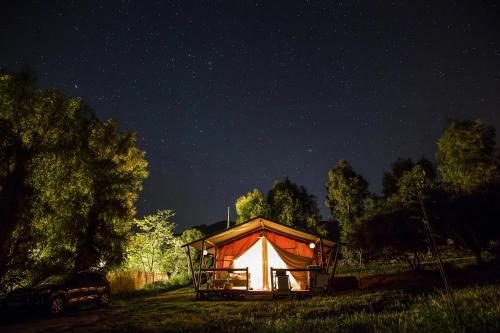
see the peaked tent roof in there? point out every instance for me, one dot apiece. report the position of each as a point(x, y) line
point(252, 225)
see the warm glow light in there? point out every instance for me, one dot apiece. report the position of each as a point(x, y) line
point(274, 260)
point(252, 259)
point(205, 252)
point(312, 245)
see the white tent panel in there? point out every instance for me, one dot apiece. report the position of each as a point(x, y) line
point(274, 260)
point(253, 259)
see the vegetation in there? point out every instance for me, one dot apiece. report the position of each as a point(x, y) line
point(466, 155)
point(251, 205)
point(360, 311)
point(347, 192)
point(286, 202)
point(68, 183)
point(149, 246)
point(293, 205)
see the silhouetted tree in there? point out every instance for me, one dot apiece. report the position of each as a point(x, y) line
point(293, 205)
point(466, 159)
point(466, 155)
point(391, 178)
point(251, 205)
point(347, 192)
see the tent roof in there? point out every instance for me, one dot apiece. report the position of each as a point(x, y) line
point(254, 225)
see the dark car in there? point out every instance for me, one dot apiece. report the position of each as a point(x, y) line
point(58, 292)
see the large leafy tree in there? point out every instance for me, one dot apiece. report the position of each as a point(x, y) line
point(39, 130)
point(466, 155)
point(468, 164)
point(251, 205)
point(68, 182)
point(347, 192)
point(116, 170)
point(292, 205)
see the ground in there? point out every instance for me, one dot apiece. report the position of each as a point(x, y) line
point(384, 303)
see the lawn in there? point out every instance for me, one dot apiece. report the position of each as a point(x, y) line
point(358, 311)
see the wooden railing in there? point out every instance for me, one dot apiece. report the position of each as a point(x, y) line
point(213, 271)
point(273, 270)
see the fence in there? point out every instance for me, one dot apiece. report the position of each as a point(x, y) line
point(126, 281)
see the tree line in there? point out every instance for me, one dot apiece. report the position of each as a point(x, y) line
point(69, 183)
point(459, 194)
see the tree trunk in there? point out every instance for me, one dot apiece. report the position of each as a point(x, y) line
point(86, 252)
point(14, 201)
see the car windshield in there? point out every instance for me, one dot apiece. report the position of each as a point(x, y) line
point(54, 279)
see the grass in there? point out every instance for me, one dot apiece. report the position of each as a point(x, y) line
point(359, 311)
point(375, 268)
point(478, 307)
point(161, 309)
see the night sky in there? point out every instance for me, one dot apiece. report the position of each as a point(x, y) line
point(227, 96)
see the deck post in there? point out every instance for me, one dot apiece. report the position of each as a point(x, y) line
point(190, 261)
point(247, 278)
point(272, 280)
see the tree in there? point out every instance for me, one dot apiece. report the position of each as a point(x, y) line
point(36, 126)
point(293, 205)
point(390, 180)
point(467, 161)
point(188, 236)
point(150, 244)
point(116, 170)
point(391, 233)
point(347, 192)
point(251, 205)
point(68, 182)
point(466, 155)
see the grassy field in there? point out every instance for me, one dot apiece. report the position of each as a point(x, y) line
point(388, 302)
point(359, 311)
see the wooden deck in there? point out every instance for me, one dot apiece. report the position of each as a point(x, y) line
point(244, 294)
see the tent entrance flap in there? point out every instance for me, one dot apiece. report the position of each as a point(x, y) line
point(259, 259)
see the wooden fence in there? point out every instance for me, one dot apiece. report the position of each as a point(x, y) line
point(126, 281)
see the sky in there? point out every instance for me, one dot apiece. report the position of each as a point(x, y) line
point(227, 96)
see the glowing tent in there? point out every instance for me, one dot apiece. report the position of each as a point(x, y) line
point(257, 248)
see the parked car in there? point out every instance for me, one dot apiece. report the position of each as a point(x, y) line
point(58, 292)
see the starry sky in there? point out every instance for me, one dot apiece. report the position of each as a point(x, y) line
point(228, 95)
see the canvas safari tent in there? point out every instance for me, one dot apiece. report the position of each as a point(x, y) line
point(248, 257)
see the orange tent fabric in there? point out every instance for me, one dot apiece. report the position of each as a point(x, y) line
point(294, 261)
point(235, 248)
point(290, 244)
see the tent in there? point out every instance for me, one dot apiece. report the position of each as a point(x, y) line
point(258, 247)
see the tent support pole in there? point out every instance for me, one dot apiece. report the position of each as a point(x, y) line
point(329, 261)
point(335, 261)
point(201, 265)
point(272, 280)
point(322, 253)
point(247, 278)
point(193, 274)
